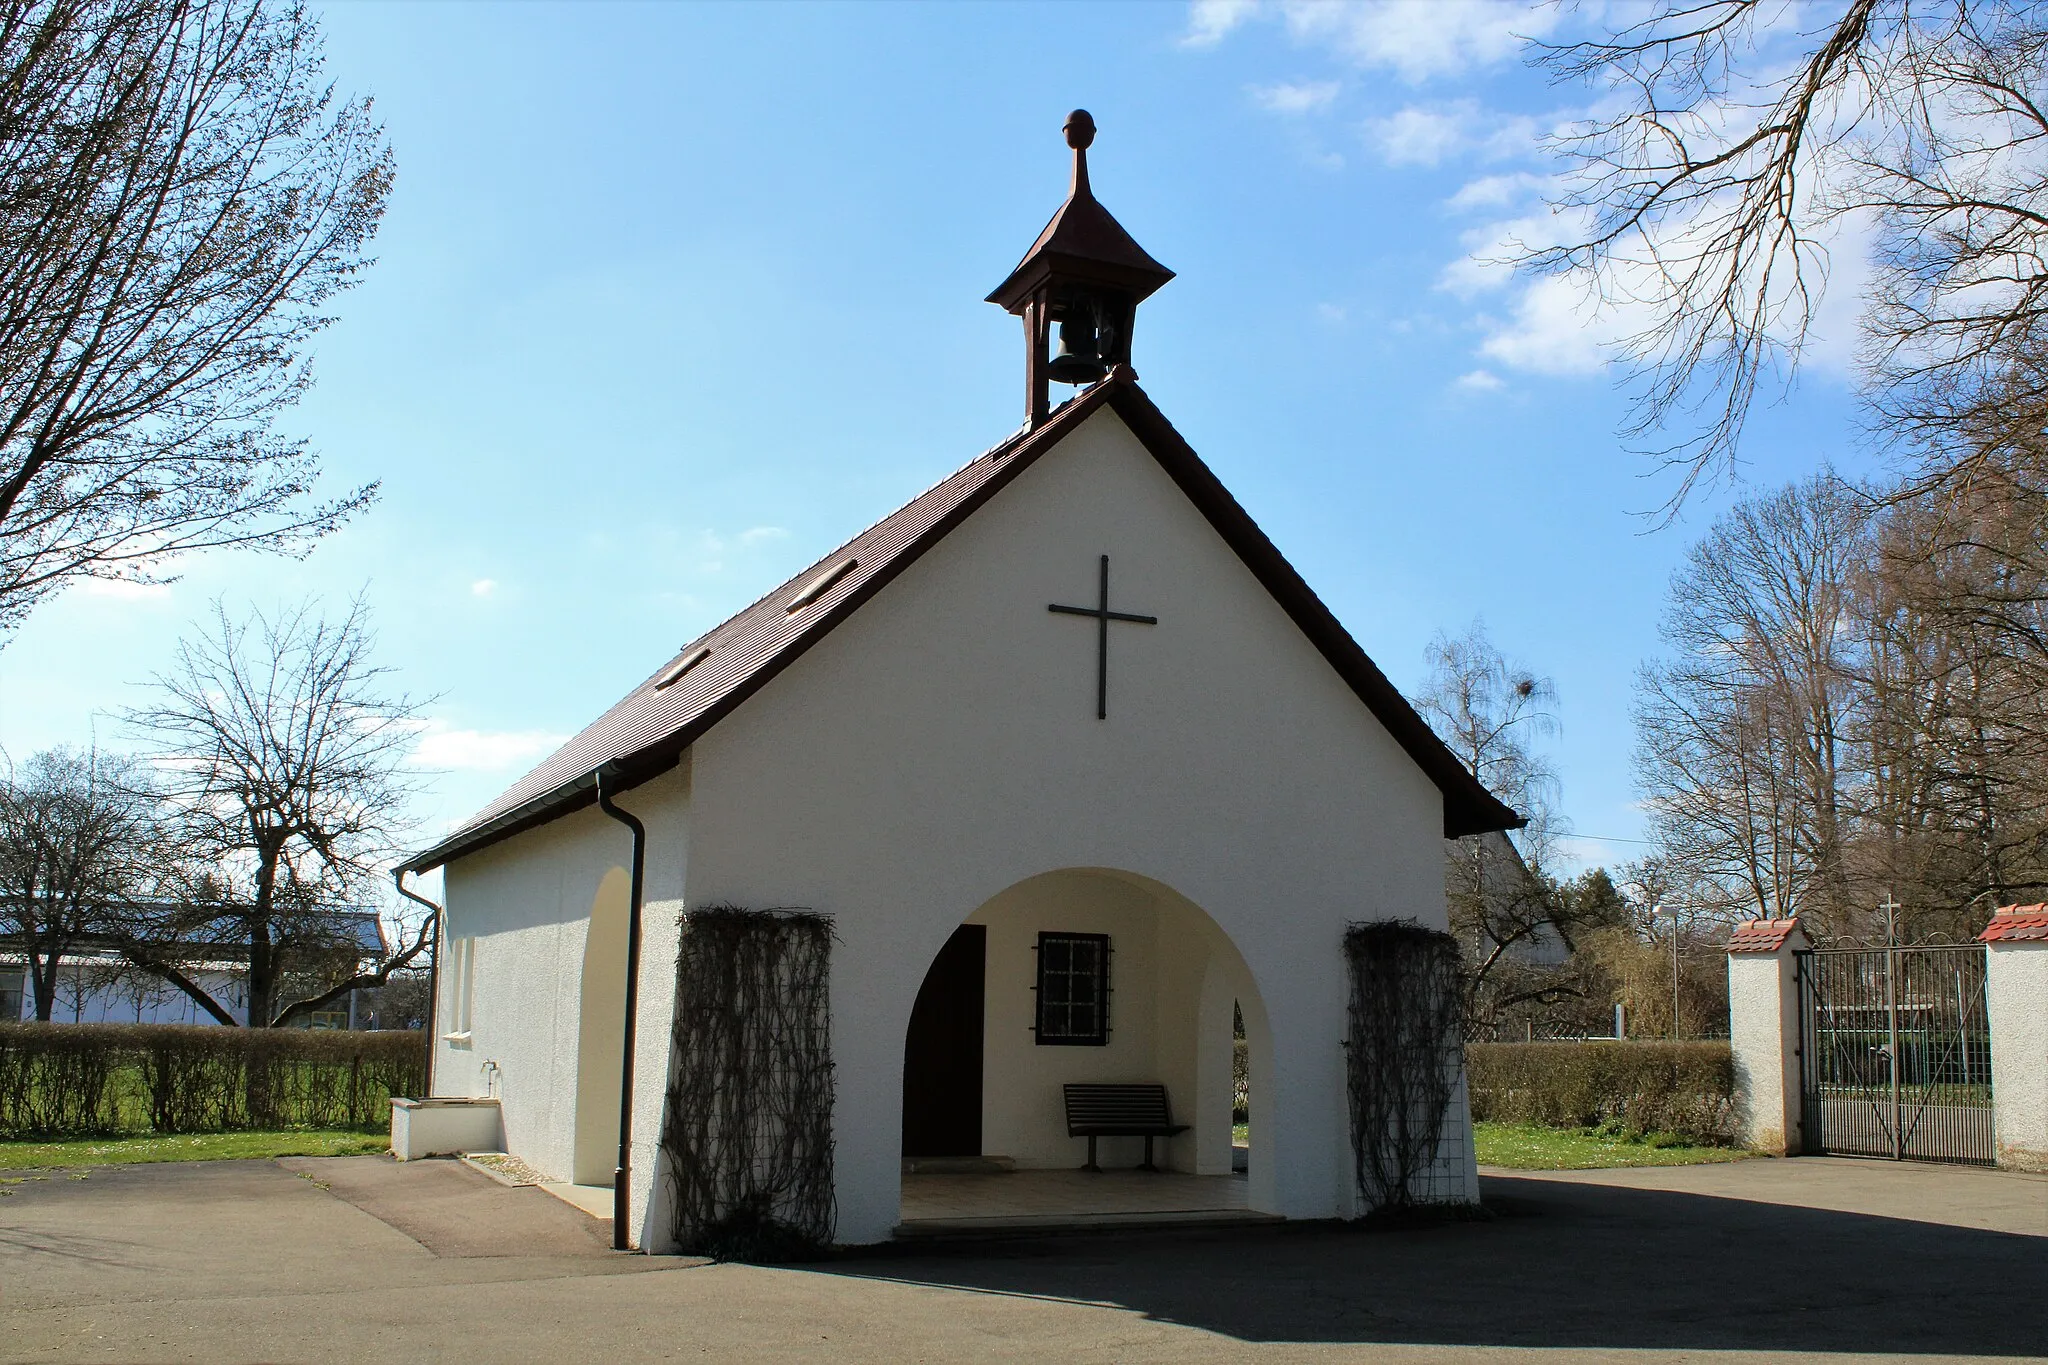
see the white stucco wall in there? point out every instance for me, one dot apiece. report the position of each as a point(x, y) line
point(1763, 1039)
point(2016, 996)
point(527, 906)
point(943, 746)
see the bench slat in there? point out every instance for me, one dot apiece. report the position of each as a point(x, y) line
point(1119, 1110)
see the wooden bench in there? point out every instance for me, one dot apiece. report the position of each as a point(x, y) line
point(1095, 1111)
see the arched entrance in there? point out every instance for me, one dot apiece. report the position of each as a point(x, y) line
point(1086, 976)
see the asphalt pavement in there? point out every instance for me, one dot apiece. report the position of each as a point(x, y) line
point(362, 1258)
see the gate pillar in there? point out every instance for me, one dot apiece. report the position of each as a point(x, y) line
point(1763, 1032)
point(2016, 998)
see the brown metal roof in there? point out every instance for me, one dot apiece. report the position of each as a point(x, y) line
point(1083, 241)
point(647, 731)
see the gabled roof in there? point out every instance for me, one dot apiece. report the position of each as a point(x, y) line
point(647, 732)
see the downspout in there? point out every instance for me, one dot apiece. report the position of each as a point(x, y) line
point(433, 971)
point(622, 1197)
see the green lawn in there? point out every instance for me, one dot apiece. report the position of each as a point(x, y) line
point(122, 1151)
point(1529, 1148)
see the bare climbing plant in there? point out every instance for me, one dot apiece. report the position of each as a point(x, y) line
point(747, 1127)
point(1403, 1057)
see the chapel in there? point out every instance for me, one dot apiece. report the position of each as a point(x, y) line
point(1055, 787)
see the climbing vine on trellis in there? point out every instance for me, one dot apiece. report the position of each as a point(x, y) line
point(748, 1125)
point(1402, 1060)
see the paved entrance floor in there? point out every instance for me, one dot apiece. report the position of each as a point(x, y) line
point(364, 1259)
point(1025, 1201)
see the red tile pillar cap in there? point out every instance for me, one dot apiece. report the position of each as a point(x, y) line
point(1766, 935)
point(2017, 924)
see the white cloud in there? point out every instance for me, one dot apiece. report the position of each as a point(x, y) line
point(124, 590)
point(1424, 135)
point(1210, 20)
point(1418, 137)
point(483, 587)
point(756, 534)
point(1489, 248)
point(1554, 329)
point(1333, 313)
point(1831, 341)
point(480, 750)
point(1421, 39)
point(1295, 97)
point(1418, 39)
point(1495, 191)
point(1481, 381)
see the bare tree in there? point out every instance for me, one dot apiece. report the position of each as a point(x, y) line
point(281, 758)
point(77, 839)
point(1741, 137)
point(1492, 714)
point(180, 197)
point(1743, 727)
point(1503, 905)
point(1853, 706)
point(1957, 615)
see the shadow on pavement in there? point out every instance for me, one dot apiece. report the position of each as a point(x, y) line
point(1564, 1265)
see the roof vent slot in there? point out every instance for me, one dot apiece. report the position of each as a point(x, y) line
point(822, 584)
point(683, 665)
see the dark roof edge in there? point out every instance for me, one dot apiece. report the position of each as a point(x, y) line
point(1469, 808)
point(631, 771)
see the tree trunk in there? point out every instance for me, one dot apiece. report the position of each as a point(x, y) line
point(42, 975)
point(262, 988)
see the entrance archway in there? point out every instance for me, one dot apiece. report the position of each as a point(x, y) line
point(1082, 975)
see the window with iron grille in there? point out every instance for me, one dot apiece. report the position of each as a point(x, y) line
point(1073, 989)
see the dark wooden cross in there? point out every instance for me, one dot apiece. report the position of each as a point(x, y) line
point(1103, 616)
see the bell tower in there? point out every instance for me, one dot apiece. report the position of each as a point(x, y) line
point(1084, 275)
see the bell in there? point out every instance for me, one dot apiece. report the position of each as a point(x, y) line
point(1078, 362)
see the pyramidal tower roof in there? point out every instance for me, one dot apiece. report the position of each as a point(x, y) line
point(1083, 240)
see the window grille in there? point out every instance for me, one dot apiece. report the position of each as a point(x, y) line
point(1073, 989)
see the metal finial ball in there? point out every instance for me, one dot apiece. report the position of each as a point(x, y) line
point(1080, 129)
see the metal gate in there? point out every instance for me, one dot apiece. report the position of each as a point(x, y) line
point(1895, 1054)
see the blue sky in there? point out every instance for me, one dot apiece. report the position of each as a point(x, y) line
point(672, 299)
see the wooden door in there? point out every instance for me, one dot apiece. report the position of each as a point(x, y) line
point(942, 1052)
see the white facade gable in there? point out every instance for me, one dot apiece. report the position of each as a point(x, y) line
point(938, 758)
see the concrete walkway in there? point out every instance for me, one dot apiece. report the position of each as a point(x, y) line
point(365, 1259)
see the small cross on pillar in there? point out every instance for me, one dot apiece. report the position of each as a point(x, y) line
point(1103, 616)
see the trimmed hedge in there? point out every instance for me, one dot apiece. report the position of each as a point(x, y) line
point(1629, 1087)
point(59, 1080)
